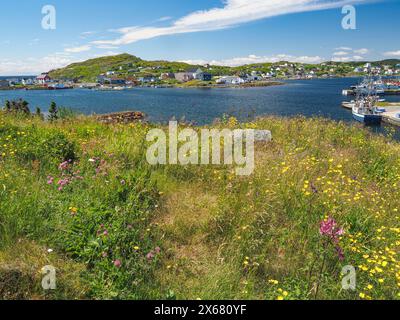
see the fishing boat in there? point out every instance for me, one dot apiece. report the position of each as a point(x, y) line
point(366, 112)
point(364, 108)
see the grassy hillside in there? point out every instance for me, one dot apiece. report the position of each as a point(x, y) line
point(90, 69)
point(115, 227)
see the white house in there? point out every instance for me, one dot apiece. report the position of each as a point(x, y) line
point(27, 82)
point(230, 80)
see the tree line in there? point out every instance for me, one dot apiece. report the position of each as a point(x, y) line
point(21, 107)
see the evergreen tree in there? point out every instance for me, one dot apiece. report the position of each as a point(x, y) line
point(24, 107)
point(7, 106)
point(39, 113)
point(53, 112)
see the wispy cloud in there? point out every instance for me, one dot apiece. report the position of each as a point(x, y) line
point(361, 51)
point(162, 19)
point(233, 13)
point(87, 34)
point(392, 54)
point(349, 54)
point(344, 48)
point(340, 53)
point(250, 59)
point(78, 49)
point(31, 66)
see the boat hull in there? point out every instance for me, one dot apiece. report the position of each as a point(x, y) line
point(367, 118)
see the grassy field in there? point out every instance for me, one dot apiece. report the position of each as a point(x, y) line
point(80, 196)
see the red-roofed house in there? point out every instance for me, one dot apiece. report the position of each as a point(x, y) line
point(43, 78)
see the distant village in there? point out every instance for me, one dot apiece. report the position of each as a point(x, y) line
point(130, 76)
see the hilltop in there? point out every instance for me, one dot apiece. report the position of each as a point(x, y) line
point(129, 66)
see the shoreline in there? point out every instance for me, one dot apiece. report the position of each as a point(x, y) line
point(259, 84)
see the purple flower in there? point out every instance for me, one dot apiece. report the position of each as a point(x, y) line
point(329, 228)
point(150, 255)
point(50, 180)
point(64, 165)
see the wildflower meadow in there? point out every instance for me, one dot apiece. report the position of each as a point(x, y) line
point(80, 196)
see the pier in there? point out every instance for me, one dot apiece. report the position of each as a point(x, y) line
point(391, 115)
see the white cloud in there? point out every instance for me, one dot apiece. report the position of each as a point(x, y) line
point(164, 19)
point(105, 54)
point(340, 53)
point(392, 53)
point(78, 49)
point(344, 48)
point(32, 66)
point(239, 61)
point(233, 13)
point(358, 58)
point(105, 46)
point(341, 59)
point(361, 51)
point(87, 34)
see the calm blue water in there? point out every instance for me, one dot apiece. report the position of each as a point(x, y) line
point(304, 97)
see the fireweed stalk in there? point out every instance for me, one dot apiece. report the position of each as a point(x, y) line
point(330, 233)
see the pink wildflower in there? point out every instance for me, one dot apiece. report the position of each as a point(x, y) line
point(329, 228)
point(50, 180)
point(64, 165)
point(118, 263)
point(150, 255)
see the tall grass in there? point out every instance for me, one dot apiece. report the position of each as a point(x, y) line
point(85, 191)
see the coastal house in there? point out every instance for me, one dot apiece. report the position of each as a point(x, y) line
point(167, 75)
point(27, 81)
point(4, 84)
point(184, 76)
point(253, 76)
point(199, 74)
point(230, 80)
point(43, 78)
point(110, 80)
point(116, 81)
point(147, 79)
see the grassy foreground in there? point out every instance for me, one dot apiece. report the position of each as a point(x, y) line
point(80, 196)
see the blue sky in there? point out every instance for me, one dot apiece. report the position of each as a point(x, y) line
point(229, 32)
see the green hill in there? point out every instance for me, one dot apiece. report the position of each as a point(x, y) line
point(123, 65)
